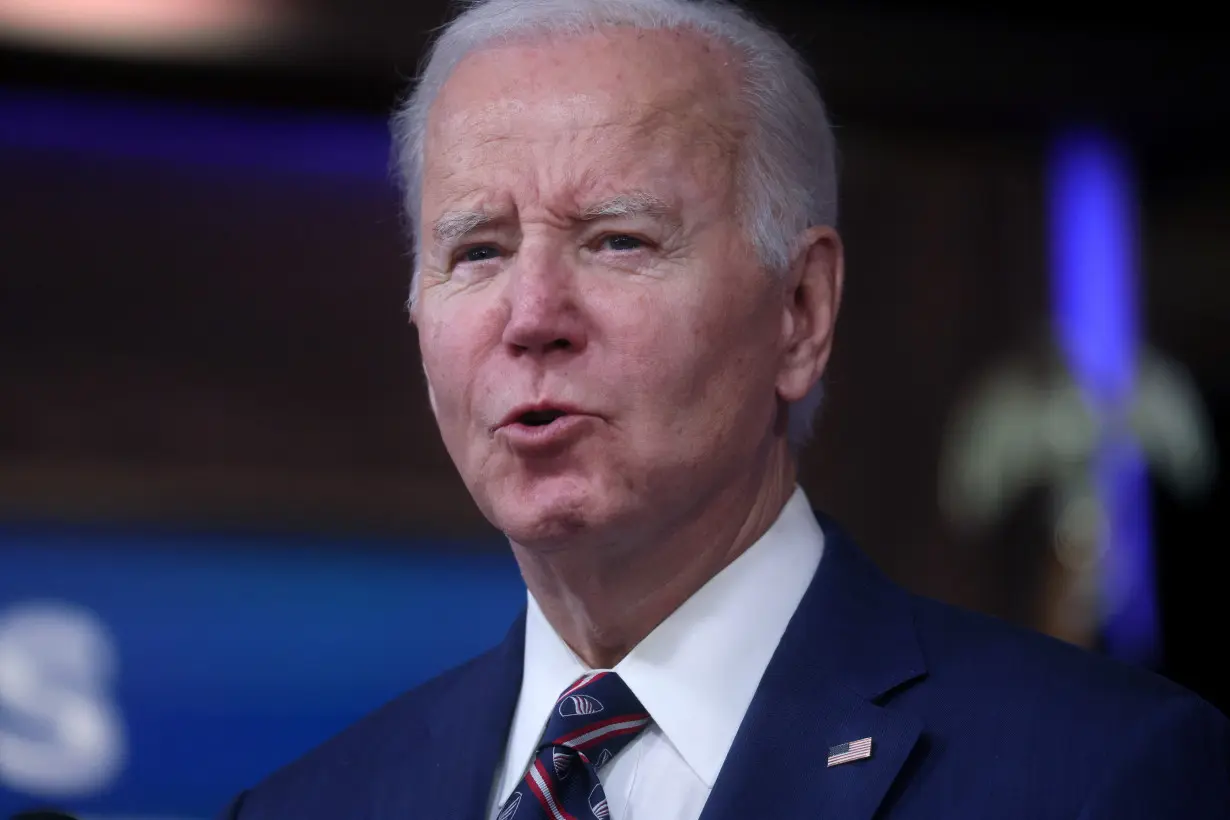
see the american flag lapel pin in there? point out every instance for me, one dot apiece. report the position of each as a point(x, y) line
point(848, 752)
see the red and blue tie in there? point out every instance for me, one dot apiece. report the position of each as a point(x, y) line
point(594, 718)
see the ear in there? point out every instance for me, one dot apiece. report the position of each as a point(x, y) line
point(809, 310)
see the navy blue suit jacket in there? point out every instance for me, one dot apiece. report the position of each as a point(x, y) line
point(970, 718)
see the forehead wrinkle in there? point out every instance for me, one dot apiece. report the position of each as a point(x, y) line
point(704, 118)
point(695, 113)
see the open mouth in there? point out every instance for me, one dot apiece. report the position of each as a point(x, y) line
point(539, 418)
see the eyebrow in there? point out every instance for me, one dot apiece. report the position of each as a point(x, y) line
point(635, 203)
point(456, 224)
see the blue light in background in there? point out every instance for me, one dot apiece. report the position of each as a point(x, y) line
point(307, 144)
point(1093, 210)
point(236, 655)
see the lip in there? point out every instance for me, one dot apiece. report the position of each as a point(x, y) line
point(529, 438)
point(538, 407)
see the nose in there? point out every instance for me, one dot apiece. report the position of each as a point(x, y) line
point(544, 315)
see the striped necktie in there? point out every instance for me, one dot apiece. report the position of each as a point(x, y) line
point(589, 724)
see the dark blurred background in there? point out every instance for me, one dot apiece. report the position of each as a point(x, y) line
point(228, 526)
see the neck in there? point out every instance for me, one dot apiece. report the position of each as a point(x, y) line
point(603, 598)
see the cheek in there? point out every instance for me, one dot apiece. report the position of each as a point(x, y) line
point(665, 354)
point(706, 367)
point(448, 357)
point(649, 333)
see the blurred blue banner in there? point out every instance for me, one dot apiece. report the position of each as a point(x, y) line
point(153, 676)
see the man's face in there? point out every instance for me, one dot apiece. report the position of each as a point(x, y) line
point(601, 344)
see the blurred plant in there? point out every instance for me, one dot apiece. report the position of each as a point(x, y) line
point(1029, 424)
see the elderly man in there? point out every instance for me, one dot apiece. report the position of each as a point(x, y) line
point(626, 286)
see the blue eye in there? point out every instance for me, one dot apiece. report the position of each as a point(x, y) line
point(623, 242)
point(479, 253)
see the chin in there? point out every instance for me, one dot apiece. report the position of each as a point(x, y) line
point(552, 512)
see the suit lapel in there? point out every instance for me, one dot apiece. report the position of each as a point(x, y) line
point(468, 731)
point(851, 642)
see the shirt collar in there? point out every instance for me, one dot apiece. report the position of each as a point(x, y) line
point(697, 672)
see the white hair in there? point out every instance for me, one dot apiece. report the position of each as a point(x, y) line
point(787, 177)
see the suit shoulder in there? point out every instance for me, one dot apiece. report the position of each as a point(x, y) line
point(1038, 674)
point(1009, 709)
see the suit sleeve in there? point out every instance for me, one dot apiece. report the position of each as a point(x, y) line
point(1177, 766)
point(231, 812)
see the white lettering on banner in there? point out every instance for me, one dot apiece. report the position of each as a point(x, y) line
point(60, 733)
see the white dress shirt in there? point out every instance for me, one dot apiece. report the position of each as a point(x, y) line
point(695, 674)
